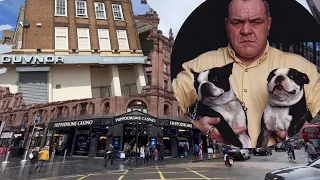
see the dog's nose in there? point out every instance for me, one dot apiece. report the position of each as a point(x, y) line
point(279, 79)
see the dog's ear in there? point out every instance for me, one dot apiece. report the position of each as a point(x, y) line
point(271, 75)
point(305, 78)
point(195, 74)
point(229, 67)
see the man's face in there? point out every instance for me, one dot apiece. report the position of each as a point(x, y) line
point(248, 27)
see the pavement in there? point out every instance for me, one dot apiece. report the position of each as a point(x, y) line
point(75, 168)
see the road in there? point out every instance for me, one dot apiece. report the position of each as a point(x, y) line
point(79, 169)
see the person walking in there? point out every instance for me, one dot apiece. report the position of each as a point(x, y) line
point(43, 157)
point(109, 155)
point(34, 158)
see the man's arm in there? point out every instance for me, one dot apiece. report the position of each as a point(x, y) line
point(313, 90)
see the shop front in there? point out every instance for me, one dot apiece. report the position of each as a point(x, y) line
point(13, 137)
point(79, 137)
point(136, 127)
point(175, 135)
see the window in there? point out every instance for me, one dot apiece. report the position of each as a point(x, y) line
point(61, 7)
point(165, 68)
point(117, 12)
point(83, 39)
point(61, 38)
point(100, 10)
point(165, 84)
point(81, 8)
point(104, 39)
point(122, 40)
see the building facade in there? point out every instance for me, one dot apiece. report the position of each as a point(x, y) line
point(91, 76)
point(314, 6)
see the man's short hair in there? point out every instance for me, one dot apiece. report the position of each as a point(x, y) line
point(266, 5)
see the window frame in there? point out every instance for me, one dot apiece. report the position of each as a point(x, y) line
point(55, 38)
point(126, 41)
point(86, 9)
point(104, 10)
point(106, 49)
point(55, 8)
point(121, 12)
point(89, 41)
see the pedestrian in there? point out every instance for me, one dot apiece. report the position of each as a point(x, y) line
point(156, 155)
point(43, 157)
point(142, 154)
point(196, 151)
point(185, 149)
point(109, 155)
point(34, 158)
point(147, 150)
point(200, 150)
point(312, 153)
point(161, 152)
point(253, 59)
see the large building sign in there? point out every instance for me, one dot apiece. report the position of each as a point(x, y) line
point(135, 118)
point(73, 123)
point(180, 124)
point(31, 59)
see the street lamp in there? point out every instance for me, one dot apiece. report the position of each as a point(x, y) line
point(35, 122)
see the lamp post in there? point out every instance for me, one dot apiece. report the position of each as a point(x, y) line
point(35, 122)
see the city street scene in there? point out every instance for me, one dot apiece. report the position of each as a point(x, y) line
point(95, 89)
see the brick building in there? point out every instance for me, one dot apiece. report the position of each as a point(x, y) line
point(81, 69)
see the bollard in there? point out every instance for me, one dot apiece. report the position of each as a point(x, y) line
point(64, 156)
point(52, 156)
point(7, 156)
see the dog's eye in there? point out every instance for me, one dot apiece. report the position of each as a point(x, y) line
point(215, 79)
point(291, 77)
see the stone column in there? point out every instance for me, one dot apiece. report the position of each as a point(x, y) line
point(115, 82)
point(139, 76)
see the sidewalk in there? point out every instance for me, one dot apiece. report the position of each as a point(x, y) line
point(15, 169)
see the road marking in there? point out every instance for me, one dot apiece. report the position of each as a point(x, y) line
point(198, 174)
point(168, 172)
point(121, 177)
point(160, 173)
point(86, 176)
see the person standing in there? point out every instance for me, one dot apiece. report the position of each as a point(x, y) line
point(196, 151)
point(200, 150)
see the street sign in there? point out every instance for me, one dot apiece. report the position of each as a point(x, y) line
point(37, 119)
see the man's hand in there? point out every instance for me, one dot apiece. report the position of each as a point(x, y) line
point(205, 124)
point(281, 135)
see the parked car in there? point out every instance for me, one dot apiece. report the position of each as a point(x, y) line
point(308, 172)
point(262, 151)
point(280, 147)
point(238, 153)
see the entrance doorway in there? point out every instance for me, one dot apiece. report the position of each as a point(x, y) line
point(129, 134)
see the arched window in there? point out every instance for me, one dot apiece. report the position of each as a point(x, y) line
point(137, 105)
point(166, 110)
